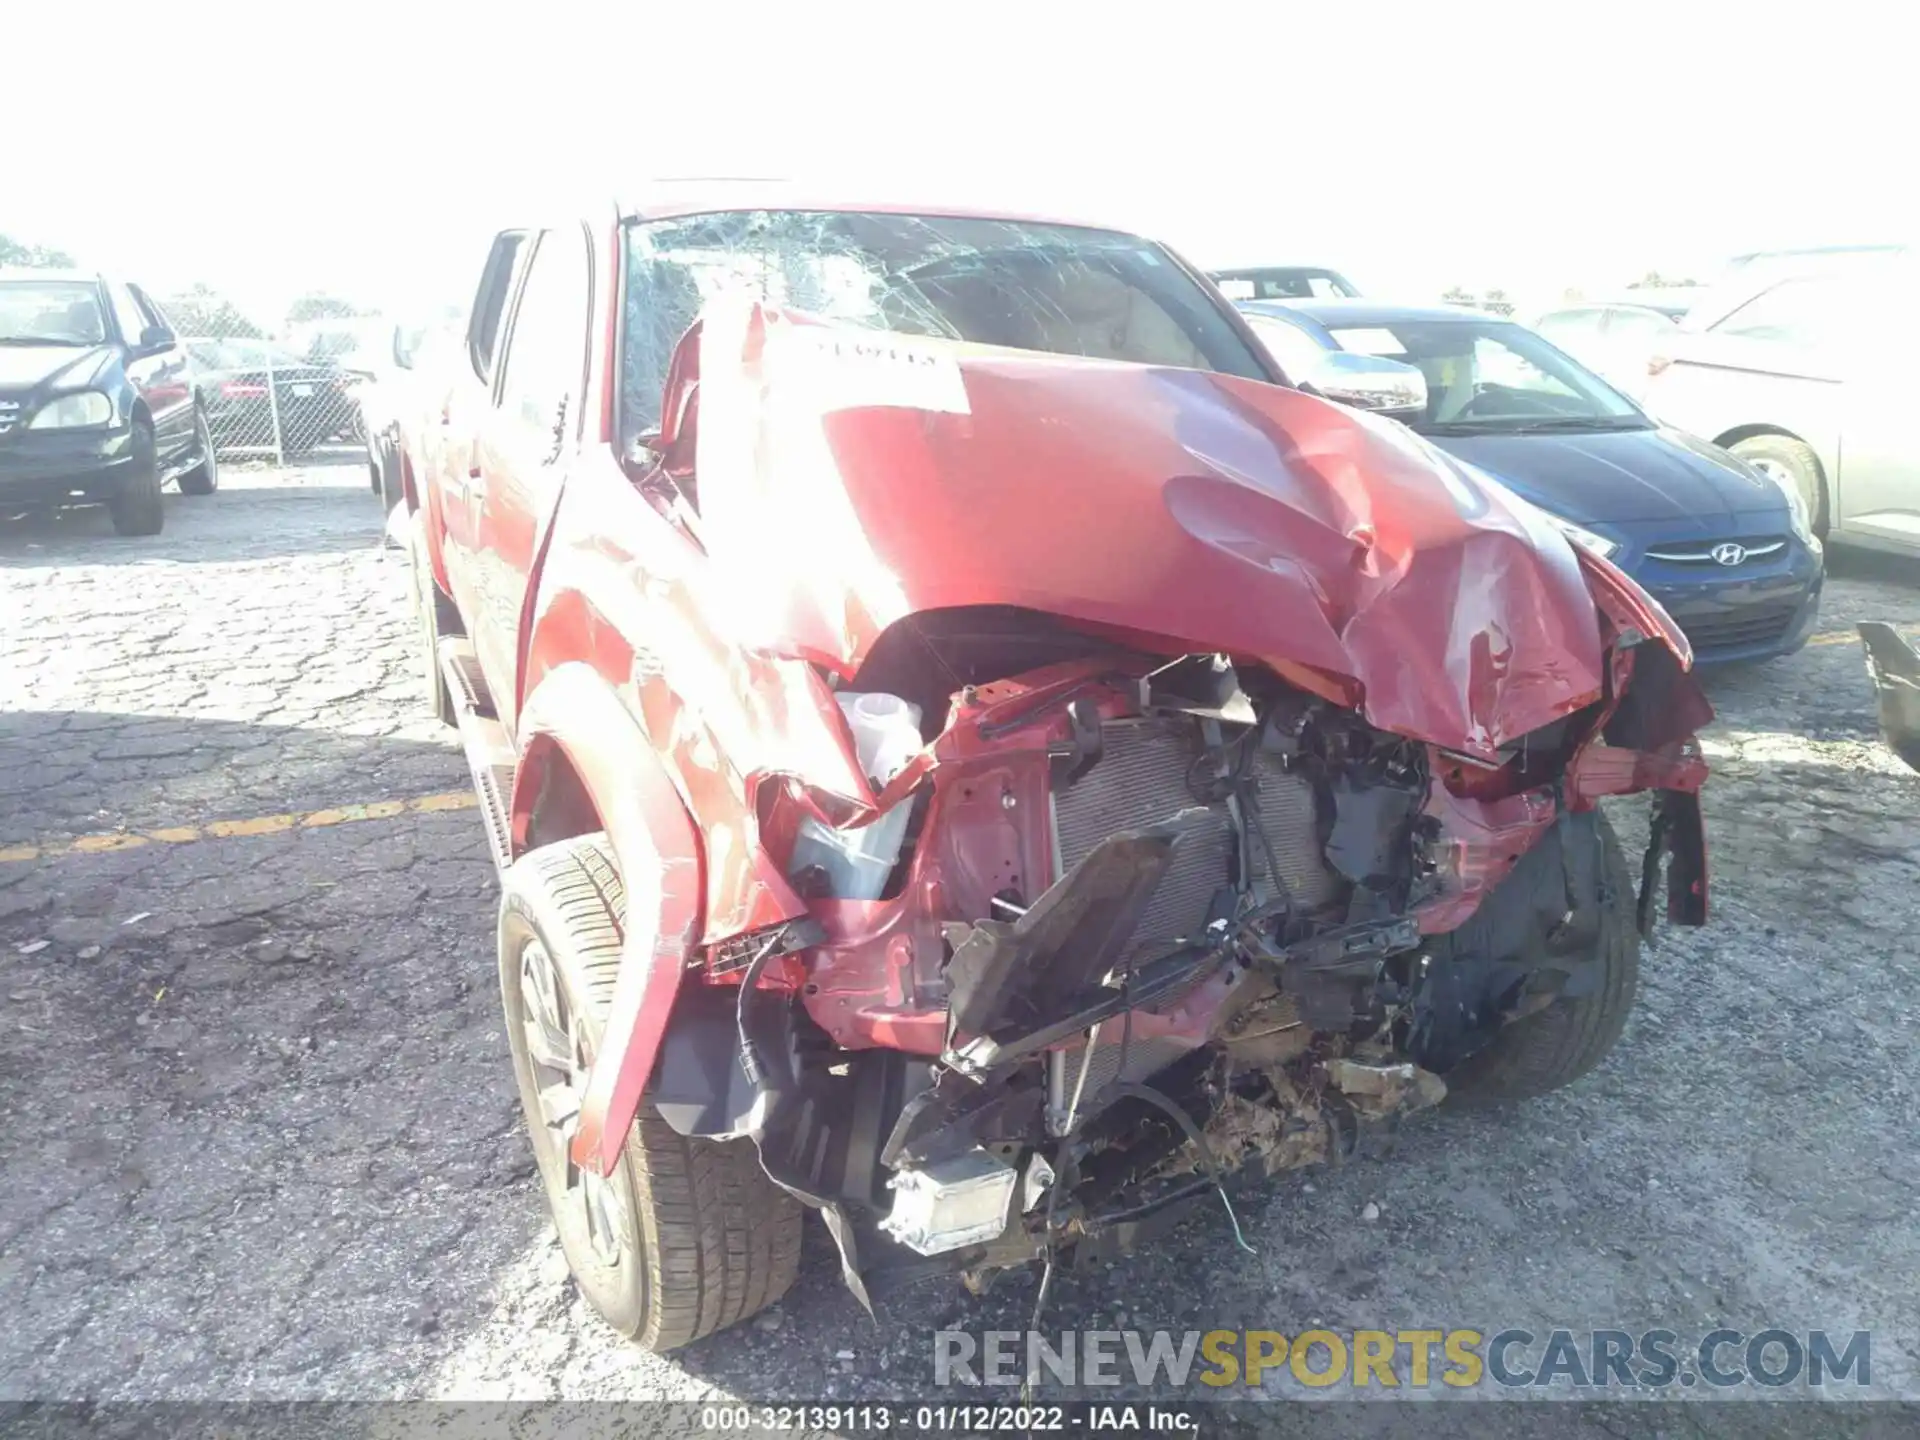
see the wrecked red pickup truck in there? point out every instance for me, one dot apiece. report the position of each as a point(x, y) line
point(974, 752)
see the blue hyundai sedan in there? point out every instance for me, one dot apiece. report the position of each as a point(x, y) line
point(1729, 552)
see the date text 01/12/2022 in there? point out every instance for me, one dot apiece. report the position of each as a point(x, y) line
point(953, 1419)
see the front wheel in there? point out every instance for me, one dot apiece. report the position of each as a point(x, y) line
point(137, 509)
point(1789, 462)
point(686, 1236)
point(1557, 1044)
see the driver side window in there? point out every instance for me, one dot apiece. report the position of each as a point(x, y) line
point(127, 314)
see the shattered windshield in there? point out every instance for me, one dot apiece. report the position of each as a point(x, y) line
point(1020, 284)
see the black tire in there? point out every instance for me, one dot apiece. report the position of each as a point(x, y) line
point(708, 1239)
point(137, 509)
point(204, 478)
point(1554, 1047)
point(1797, 460)
point(425, 597)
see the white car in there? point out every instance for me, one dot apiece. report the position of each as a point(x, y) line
point(1810, 377)
point(1614, 338)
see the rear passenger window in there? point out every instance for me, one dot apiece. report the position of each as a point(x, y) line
point(490, 303)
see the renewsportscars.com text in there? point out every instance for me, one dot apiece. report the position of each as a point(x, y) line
point(1414, 1359)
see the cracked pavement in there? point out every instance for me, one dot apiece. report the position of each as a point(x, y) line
point(259, 1136)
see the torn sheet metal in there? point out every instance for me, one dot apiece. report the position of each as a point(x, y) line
point(1215, 513)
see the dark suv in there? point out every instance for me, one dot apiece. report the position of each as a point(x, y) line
point(97, 402)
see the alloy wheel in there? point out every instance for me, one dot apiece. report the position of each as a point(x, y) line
point(560, 1053)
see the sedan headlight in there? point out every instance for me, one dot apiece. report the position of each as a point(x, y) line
point(1596, 544)
point(70, 412)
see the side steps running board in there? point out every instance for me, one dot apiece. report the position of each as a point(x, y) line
point(489, 749)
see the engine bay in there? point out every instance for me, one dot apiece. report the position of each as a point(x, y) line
point(1144, 923)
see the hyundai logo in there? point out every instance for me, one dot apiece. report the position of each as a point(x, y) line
point(1728, 553)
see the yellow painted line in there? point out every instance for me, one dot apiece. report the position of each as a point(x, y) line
point(1852, 637)
point(225, 829)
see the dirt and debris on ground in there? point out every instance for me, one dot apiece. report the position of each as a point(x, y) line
point(259, 1136)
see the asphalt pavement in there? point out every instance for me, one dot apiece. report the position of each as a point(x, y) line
point(258, 1132)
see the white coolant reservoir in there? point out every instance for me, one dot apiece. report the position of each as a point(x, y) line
point(886, 735)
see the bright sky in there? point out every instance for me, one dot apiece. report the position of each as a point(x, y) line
point(272, 148)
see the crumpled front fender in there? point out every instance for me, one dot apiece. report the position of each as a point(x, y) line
point(658, 852)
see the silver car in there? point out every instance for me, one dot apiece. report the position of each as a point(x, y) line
point(1614, 337)
point(1811, 377)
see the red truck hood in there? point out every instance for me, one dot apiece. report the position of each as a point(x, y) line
point(849, 479)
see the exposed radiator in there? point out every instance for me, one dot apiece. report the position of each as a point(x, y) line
point(1145, 1057)
point(1142, 777)
point(1291, 820)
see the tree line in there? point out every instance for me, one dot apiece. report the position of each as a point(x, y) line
point(199, 309)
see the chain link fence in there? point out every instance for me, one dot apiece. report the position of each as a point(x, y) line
point(281, 392)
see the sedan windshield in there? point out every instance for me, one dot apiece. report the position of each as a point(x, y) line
point(50, 312)
point(1491, 377)
point(1019, 284)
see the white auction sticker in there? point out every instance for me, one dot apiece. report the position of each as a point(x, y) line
point(852, 370)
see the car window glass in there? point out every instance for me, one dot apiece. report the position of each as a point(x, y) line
point(152, 312)
point(1637, 325)
point(1018, 284)
point(1325, 287)
point(126, 312)
point(248, 355)
point(490, 305)
point(1497, 364)
point(1292, 348)
point(546, 351)
point(1801, 311)
point(1492, 374)
point(1284, 285)
point(53, 312)
point(1571, 324)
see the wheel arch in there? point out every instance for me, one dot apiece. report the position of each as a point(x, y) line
point(585, 762)
point(1828, 496)
point(1738, 433)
